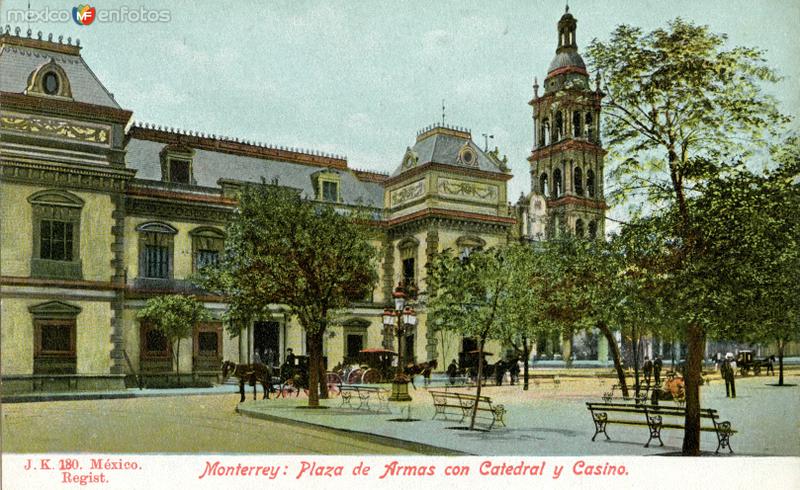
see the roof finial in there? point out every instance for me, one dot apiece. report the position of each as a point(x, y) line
point(566, 11)
point(442, 112)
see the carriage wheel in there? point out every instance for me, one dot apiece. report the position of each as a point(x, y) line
point(757, 370)
point(371, 376)
point(333, 381)
point(355, 376)
point(743, 371)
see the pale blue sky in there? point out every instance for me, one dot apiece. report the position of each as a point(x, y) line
point(360, 78)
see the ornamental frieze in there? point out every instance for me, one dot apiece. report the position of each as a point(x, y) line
point(407, 193)
point(473, 191)
point(57, 128)
point(177, 211)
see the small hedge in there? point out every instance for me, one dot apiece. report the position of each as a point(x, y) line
point(167, 383)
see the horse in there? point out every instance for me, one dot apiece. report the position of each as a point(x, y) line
point(251, 373)
point(425, 369)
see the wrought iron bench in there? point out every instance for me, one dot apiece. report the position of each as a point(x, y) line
point(461, 404)
point(652, 417)
point(364, 394)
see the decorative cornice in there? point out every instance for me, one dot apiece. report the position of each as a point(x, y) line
point(431, 166)
point(369, 176)
point(171, 209)
point(447, 213)
point(106, 179)
point(58, 283)
point(137, 191)
point(29, 103)
point(566, 145)
point(567, 69)
point(235, 147)
point(580, 201)
point(49, 45)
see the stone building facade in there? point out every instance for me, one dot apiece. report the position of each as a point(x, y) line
point(100, 212)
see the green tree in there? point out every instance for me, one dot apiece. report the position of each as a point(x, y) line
point(283, 249)
point(526, 308)
point(466, 294)
point(175, 316)
point(677, 99)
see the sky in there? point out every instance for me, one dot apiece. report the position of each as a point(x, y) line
point(361, 78)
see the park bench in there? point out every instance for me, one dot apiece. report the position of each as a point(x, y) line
point(652, 417)
point(364, 394)
point(448, 402)
point(644, 393)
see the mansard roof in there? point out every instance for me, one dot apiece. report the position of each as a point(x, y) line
point(209, 167)
point(20, 56)
point(445, 145)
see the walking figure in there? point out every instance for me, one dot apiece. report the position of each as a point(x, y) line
point(648, 370)
point(514, 370)
point(729, 375)
point(770, 366)
point(452, 371)
point(657, 369)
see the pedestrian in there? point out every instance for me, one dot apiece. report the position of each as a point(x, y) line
point(514, 370)
point(729, 374)
point(770, 366)
point(647, 367)
point(452, 371)
point(657, 370)
point(499, 372)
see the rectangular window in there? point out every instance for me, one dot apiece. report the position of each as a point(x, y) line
point(180, 171)
point(156, 263)
point(56, 338)
point(207, 343)
point(56, 240)
point(206, 257)
point(330, 191)
point(154, 343)
point(409, 271)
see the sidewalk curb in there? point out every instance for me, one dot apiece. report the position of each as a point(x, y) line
point(72, 396)
point(418, 447)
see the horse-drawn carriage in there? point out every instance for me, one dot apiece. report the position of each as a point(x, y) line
point(372, 366)
point(746, 361)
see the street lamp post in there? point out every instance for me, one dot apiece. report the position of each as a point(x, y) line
point(401, 318)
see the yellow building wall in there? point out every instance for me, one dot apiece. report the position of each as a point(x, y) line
point(182, 246)
point(16, 336)
point(130, 334)
point(16, 241)
point(92, 341)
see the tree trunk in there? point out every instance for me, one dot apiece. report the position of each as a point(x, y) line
point(323, 379)
point(178, 361)
point(480, 383)
point(526, 350)
point(780, 362)
point(615, 355)
point(635, 342)
point(692, 377)
point(314, 351)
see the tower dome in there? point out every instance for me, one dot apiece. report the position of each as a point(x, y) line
point(567, 52)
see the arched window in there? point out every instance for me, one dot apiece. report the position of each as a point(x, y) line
point(545, 136)
point(579, 228)
point(576, 124)
point(578, 181)
point(207, 245)
point(156, 250)
point(56, 234)
point(557, 183)
point(559, 126)
point(589, 126)
point(593, 229)
point(590, 182)
point(543, 187)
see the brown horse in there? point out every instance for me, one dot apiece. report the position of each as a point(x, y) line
point(425, 369)
point(250, 373)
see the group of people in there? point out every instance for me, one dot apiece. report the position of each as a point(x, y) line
point(652, 368)
point(500, 368)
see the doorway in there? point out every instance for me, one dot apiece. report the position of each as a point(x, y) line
point(266, 342)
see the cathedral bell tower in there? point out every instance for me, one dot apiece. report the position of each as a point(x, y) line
point(567, 156)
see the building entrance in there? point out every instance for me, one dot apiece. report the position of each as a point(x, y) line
point(266, 342)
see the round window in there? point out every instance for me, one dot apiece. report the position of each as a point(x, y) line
point(467, 156)
point(50, 83)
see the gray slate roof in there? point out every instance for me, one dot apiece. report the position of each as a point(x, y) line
point(444, 148)
point(208, 167)
point(566, 58)
point(18, 62)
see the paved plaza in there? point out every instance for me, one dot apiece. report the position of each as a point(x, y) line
point(553, 420)
point(549, 419)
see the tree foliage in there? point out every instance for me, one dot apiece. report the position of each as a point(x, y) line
point(466, 296)
point(310, 257)
point(175, 316)
point(680, 106)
